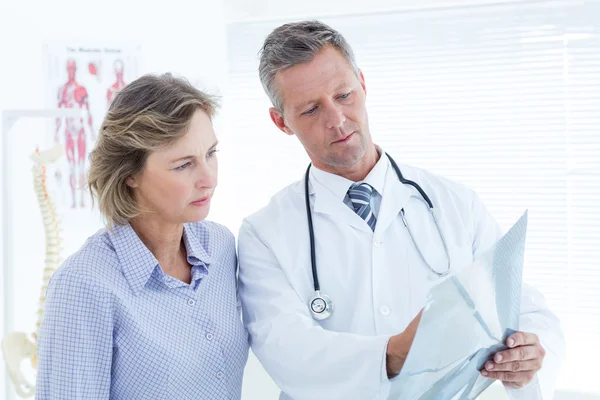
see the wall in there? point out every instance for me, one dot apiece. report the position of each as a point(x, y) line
point(242, 10)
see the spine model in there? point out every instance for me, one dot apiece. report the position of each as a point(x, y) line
point(18, 346)
point(51, 226)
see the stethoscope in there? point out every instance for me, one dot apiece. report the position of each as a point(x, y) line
point(320, 304)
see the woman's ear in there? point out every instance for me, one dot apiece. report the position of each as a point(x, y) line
point(132, 182)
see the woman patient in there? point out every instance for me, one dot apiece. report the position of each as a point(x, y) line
point(147, 308)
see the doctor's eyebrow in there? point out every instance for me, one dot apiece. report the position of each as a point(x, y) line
point(342, 85)
point(305, 104)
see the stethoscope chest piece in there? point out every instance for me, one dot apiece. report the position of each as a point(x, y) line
point(320, 306)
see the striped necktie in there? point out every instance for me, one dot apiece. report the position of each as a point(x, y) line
point(360, 196)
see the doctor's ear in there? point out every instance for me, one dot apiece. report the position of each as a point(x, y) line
point(361, 79)
point(279, 121)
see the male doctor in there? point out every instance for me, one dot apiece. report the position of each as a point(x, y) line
point(366, 261)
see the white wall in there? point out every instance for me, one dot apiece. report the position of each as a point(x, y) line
point(179, 36)
point(243, 10)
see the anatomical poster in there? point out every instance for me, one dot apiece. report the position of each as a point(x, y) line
point(85, 78)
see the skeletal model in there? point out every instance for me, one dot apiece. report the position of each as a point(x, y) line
point(18, 346)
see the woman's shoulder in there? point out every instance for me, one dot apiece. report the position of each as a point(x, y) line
point(95, 262)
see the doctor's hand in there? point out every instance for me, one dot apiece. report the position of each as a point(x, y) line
point(516, 366)
point(398, 347)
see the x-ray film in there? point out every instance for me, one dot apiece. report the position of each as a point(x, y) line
point(466, 320)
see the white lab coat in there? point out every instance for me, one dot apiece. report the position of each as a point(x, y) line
point(377, 281)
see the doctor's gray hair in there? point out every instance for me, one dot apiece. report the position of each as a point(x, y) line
point(297, 43)
point(148, 114)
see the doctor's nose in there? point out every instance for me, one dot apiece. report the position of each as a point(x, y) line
point(335, 118)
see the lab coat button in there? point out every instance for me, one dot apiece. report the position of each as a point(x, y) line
point(384, 310)
point(376, 243)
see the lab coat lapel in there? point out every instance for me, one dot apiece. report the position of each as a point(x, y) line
point(327, 203)
point(395, 196)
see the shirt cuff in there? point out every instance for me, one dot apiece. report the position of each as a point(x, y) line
point(531, 391)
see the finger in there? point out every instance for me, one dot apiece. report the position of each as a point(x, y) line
point(522, 339)
point(520, 353)
point(515, 366)
point(510, 377)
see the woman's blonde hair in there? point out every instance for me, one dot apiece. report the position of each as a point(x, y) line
point(150, 113)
